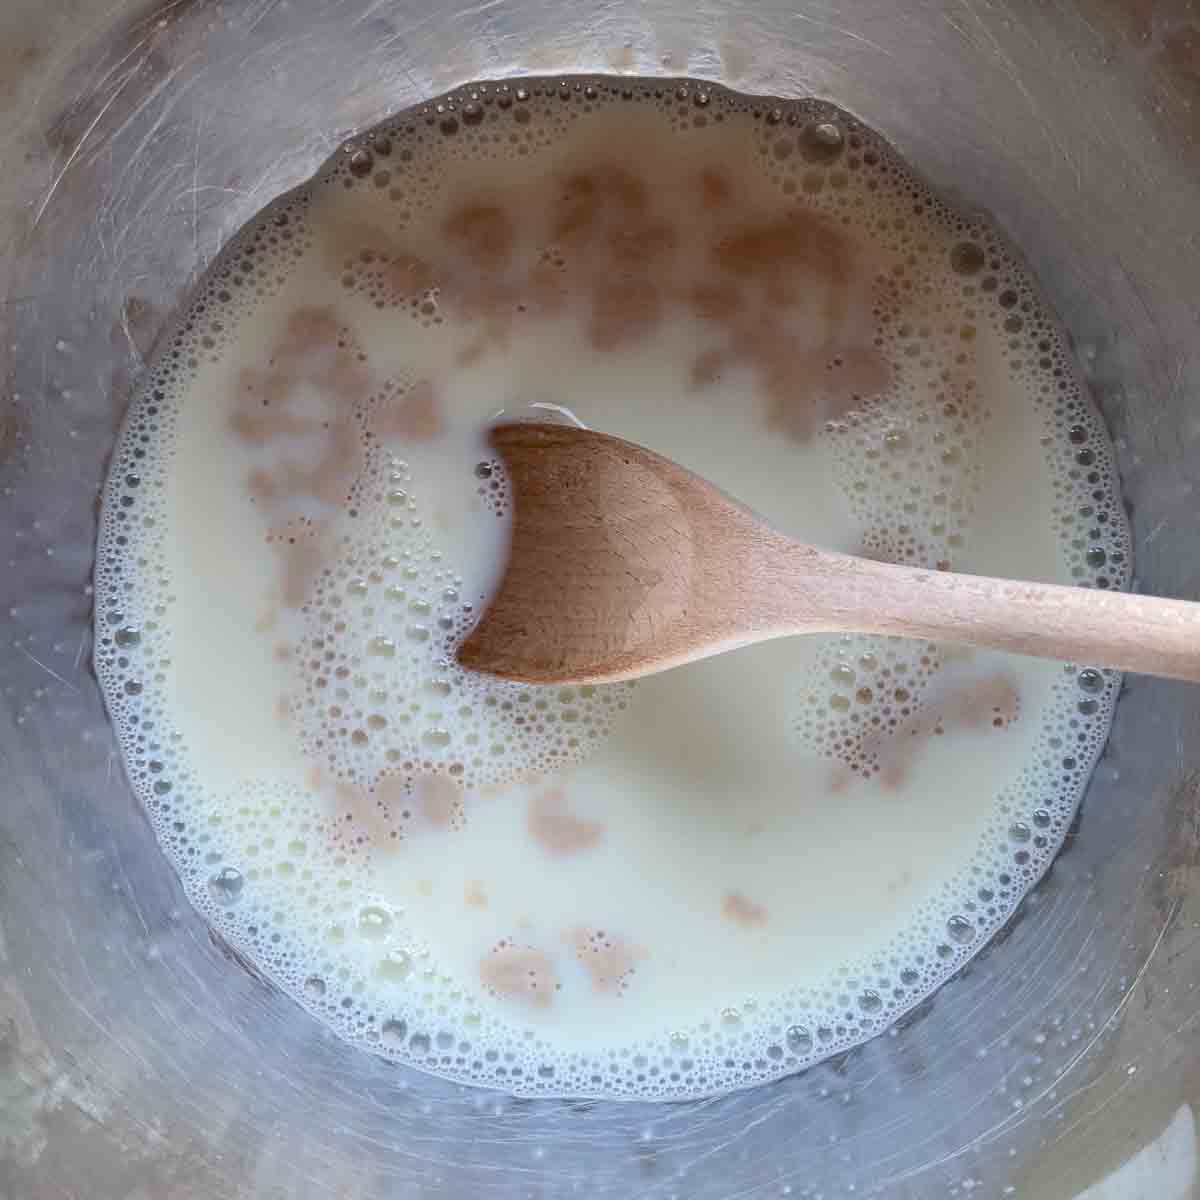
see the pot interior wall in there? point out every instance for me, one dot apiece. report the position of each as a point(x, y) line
point(137, 1059)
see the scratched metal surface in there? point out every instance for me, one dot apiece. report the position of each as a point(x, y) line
point(136, 1060)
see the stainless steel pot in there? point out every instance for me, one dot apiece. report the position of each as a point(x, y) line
point(136, 1059)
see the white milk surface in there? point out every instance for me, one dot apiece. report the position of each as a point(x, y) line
point(666, 889)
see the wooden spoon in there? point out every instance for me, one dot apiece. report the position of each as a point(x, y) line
point(623, 563)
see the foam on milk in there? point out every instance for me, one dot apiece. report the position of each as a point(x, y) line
point(718, 875)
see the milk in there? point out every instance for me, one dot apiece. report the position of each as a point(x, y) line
point(666, 889)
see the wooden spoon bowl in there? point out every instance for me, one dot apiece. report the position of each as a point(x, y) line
point(623, 563)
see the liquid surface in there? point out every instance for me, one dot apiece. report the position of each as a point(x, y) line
point(723, 873)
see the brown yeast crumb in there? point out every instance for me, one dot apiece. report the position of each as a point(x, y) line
point(484, 232)
point(519, 973)
point(742, 911)
point(715, 189)
point(992, 703)
point(608, 959)
point(556, 830)
point(439, 800)
point(414, 415)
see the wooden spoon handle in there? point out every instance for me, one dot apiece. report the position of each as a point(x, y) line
point(1079, 625)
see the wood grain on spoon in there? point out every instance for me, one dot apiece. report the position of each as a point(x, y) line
point(623, 563)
